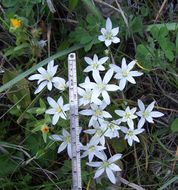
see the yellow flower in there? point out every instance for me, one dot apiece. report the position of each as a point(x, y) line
point(16, 23)
point(45, 129)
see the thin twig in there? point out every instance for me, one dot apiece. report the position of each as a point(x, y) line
point(132, 185)
point(122, 14)
point(160, 10)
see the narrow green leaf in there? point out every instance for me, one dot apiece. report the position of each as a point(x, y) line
point(174, 125)
point(34, 68)
point(73, 4)
point(177, 43)
point(169, 183)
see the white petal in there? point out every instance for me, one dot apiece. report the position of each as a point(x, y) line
point(107, 42)
point(106, 97)
point(115, 31)
point(112, 87)
point(115, 157)
point(138, 131)
point(62, 147)
point(141, 123)
point(63, 116)
point(94, 164)
point(115, 68)
point(131, 65)
point(131, 79)
point(55, 118)
point(52, 102)
point(122, 84)
point(103, 60)
point(150, 119)
point(55, 137)
point(97, 78)
point(88, 60)
point(130, 124)
point(66, 107)
point(65, 133)
point(35, 77)
point(41, 70)
point(106, 115)
point(150, 107)
point(135, 73)
point(101, 38)
point(118, 75)
point(86, 112)
point(40, 87)
point(116, 40)
point(108, 24)
point(135, 138)
point(49, 86)
point(141, 105)
point(114, 167)
point(95, 95)
point(90, 156)
point(69, 151)
point(140, 113)
point(156, 114)
point(99, 155)
point(120, 112)
point(88, 69)
point(95, 58)
point(81, 92)
point(108, 76)
point(98, 173)
point(124, 64)
point(50, 65)
point(124, 130)
point(60, 101)
point(50, 111)
point(110, 175)
point(130, 141)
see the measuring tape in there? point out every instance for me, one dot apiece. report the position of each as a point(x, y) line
point(74, 123)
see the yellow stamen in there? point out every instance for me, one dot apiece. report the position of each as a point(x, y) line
point(15, 23)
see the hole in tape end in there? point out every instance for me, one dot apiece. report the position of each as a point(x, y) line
point(71, 56)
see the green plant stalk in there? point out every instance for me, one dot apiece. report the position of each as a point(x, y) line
point(92, 8)
point(40, 64)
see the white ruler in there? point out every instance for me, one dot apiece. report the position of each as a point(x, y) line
point(74, 123)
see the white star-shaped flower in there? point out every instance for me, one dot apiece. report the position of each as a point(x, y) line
point(101, 87)
point(98, 133)
point(96, 112)
point(146, 114)
point(131, 134)
point(93, 149)
point(112, 128)
point(127, 115)
point(66, 141)
point(109, 34)
point(58, 109)
point(85, 97)
point(96, 64)
point(46, 77)
point(108, 166)
point(124, 73)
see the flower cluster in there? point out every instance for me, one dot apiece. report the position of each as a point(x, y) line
point(94, 100)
